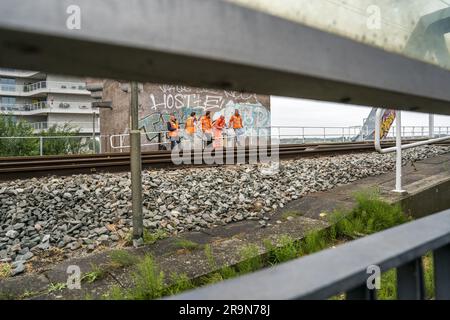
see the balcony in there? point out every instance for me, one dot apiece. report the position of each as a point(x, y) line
point(16, 73)
point(44, 87)
point(84, 127)
point(45, 107)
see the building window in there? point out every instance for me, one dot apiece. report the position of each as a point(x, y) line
point(7, 104)
point(8, 84)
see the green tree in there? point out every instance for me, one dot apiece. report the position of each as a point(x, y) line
point(67, 141)
point(10, 128)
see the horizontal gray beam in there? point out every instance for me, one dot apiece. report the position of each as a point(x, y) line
point(334, 271)
point(213, 44)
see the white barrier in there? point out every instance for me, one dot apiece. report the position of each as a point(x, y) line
point(398, 145)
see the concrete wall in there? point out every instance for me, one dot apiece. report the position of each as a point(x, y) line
point(156, 102)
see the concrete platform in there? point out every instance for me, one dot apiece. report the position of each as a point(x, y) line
point(427, 183)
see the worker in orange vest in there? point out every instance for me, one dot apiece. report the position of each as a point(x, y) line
point(206, 124)
point(236, 124)
point(173, 128)
point(218, 127)
point(191, 121)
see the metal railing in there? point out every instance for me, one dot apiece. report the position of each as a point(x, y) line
point(346, 268)
point(84, 126)
point(283, 134)
point(58, 106)
point(39, 145)
point(419, 131)
point(398, 144)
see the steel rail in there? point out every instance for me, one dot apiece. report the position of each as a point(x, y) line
point(24, 168)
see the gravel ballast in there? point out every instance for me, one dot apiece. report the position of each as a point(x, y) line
point(82, 212)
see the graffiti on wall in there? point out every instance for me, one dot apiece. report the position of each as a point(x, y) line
point(182, 101)
point(386, 122)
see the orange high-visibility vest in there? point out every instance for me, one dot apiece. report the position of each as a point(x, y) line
point(174, 134)
point(190, 126)
point(219, 124)
point(236, 121)
point(206, 124)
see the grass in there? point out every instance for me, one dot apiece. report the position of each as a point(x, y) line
point(5, 270)
point(96, 273)
point(149, 282)
point(187, 245)
point(148, 237)
point(55, 287)
point(152, 237)
point(369, 216)
point(122, 258)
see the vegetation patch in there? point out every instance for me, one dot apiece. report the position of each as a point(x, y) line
point(188, 245)
point(96, 273)
point(152, 237)
point(149, 282)
point(55, 287)
point(69, 141)
point(369, 216)
point(5, 270)
point(123, 258)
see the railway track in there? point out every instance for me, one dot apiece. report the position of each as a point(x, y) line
point(27, 167)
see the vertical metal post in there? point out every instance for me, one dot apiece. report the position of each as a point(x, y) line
point(398, 162)
point(41, 145)
point(410, 281)
point(136, 167)
point(431, 125)
point(343, 134)
point(324, 134)
point(303, 134)
point(441, 259)
point(93, 131)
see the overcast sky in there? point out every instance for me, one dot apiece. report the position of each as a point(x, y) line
point(302, 113)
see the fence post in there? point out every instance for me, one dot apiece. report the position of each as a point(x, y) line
point(41, 145)
point(136, 167)
point(431, 125)
point(398, 162)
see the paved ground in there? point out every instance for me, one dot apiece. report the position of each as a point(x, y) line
point(227, 241)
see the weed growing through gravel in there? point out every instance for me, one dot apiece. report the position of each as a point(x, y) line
point(369, 216)
point(96, 273)
point(123, 258)
point(149, 282)
point(151, 238)
point(5, 270)
point(187, 244)
point(55, 287)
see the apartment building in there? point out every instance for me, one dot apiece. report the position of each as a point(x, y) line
point(45, 99)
